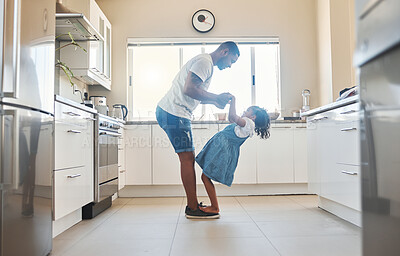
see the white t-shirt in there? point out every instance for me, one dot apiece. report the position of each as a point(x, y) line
point(247, 130)
point(175, 101)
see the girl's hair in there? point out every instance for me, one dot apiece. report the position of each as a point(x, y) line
point(262, 122)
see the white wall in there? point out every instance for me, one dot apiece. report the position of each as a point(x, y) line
point(324, 52)
point(336, 44)
point(294, 21)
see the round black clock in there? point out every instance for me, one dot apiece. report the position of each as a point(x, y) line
point(203, 21)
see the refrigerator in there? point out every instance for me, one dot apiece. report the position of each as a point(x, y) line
point(378, 59)
point(26, 126)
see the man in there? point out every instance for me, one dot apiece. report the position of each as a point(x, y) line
point(174, 112)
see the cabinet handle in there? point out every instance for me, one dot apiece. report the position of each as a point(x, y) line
point(73, 176)
point(348, 112)
point(122, 171)
point(348, 129)
point(282, 127)
point(119, 166)
point(349, 173)
point(120, 149)
point(301, 127)
point(74, 131)
point(90, 118)
point(71, 113)
point(319, 119)
point(199, 128)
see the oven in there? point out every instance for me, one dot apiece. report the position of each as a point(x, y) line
point(106, 164)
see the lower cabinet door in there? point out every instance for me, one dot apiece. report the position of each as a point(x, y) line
point(72, 190)
point(166, 165)
point(275, 156)
point(137, 147)
point(202, 133)
point(342, 185)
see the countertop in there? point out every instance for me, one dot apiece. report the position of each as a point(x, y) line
point(333, 105)
point(150, 122)
point(74, 104)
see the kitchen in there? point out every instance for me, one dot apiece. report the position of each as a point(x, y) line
point(114, 185)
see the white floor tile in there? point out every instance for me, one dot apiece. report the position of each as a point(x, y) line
point(114, 247)
point(318, 227)
point(110, 231)
point(156, 200)
point(222, 247)
point(212, 229)
point(343, 245)
point(253, 225)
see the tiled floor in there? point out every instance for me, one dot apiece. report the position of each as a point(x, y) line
point(257, 225)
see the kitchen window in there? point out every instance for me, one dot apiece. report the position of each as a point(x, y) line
point(254, 79)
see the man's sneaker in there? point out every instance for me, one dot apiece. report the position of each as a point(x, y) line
point(199, 214)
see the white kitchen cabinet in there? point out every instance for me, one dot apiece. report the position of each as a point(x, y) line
point(92, 67)
point(275, 156)
point(246, 171)
point(313, 175)
point(138, 155)
point(334, 155)
point(73, 137)
point(166, 165)
point(121, 159)
point(74, 159)
point(202, 133)
point(300, 162)
point(342, 185)
point(71, 190)
point(103, 25)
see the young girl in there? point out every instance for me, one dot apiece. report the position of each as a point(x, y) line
point(220, 155)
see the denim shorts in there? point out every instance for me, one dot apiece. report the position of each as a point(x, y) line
point(178, 129)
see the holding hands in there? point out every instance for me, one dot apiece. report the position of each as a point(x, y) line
point(223, 99)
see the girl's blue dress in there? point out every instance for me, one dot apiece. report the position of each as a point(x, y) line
point(219, 157)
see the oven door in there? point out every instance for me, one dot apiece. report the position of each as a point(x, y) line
point(108, 156)
point(112, 156)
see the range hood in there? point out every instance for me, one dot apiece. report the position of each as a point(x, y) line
point(79, 27)
point(92, 76)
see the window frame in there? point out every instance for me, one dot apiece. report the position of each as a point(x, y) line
point(134, 42)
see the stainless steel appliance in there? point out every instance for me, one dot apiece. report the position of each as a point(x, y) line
point(100, 104)
point(106, 165)
point(26, 126)
point(120, 111)
point(378, 56)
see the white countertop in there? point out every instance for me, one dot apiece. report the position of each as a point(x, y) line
point(333, 105)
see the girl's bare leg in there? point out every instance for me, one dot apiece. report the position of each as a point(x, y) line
point(211, 194)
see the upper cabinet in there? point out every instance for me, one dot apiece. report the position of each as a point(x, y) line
point(92, 67)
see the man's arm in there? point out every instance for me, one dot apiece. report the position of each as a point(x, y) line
point(193, 89)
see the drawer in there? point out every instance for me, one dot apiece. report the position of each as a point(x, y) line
point(65, 113)
point(348, 113)
point(73, 188)
point(343, 185)
point(348, 143)
point(70, 144)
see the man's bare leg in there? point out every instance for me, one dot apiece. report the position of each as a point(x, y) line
point(214, 208)
point(188, 177)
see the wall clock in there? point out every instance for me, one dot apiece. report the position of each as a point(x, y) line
point(203, 21)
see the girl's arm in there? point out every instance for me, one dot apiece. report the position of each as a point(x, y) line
point(233, 117)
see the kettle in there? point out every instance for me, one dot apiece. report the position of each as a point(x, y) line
point(120, 111)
